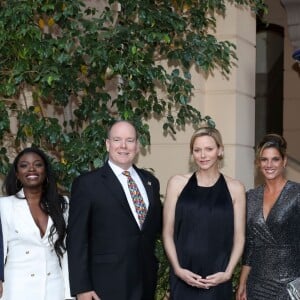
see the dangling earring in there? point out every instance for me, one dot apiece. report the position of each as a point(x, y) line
point(192, 160)
point(18, 184)
point(46, 205)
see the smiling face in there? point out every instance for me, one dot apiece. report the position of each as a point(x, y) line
point(271, 163)
point(206, 152)
point(122, 144)
point(31, 170)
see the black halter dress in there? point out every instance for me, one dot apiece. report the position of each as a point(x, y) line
point(203, 238)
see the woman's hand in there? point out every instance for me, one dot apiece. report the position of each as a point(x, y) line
point(217, 278)
point(191, 278)
point(241, 292)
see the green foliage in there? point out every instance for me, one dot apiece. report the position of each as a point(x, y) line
point(57, 59)
point(163, 272)
point(236, 276)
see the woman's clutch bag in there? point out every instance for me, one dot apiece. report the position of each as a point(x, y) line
point(293, 289)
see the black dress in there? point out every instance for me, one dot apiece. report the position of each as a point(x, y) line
point(272, 245)
point(203, 238)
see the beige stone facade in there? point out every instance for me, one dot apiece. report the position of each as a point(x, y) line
point(229, 101)
point(280, 14)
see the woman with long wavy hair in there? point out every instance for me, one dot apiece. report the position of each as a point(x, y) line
point(33, 216)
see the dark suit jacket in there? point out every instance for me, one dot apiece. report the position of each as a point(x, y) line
point(107, 251)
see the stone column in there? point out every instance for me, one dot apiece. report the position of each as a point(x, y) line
point(229, 101)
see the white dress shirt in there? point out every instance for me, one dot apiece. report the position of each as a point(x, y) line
point(123, 180)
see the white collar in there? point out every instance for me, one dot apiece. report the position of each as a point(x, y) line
point(118, 171)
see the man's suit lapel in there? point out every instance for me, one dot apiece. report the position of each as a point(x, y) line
point(116, 189)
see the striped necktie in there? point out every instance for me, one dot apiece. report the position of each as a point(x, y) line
point(137, 198)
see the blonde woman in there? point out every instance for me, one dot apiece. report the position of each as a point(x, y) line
point(204, 220)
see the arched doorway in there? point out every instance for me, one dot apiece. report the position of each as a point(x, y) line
point(269, 80)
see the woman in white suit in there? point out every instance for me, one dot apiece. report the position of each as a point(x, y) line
point(1, 262)
point(33, 217)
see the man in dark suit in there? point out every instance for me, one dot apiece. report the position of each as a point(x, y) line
point(110, 242)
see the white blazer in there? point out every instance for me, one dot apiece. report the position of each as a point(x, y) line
point(31, 270)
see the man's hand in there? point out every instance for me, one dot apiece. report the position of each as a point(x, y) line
point(88, 296)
